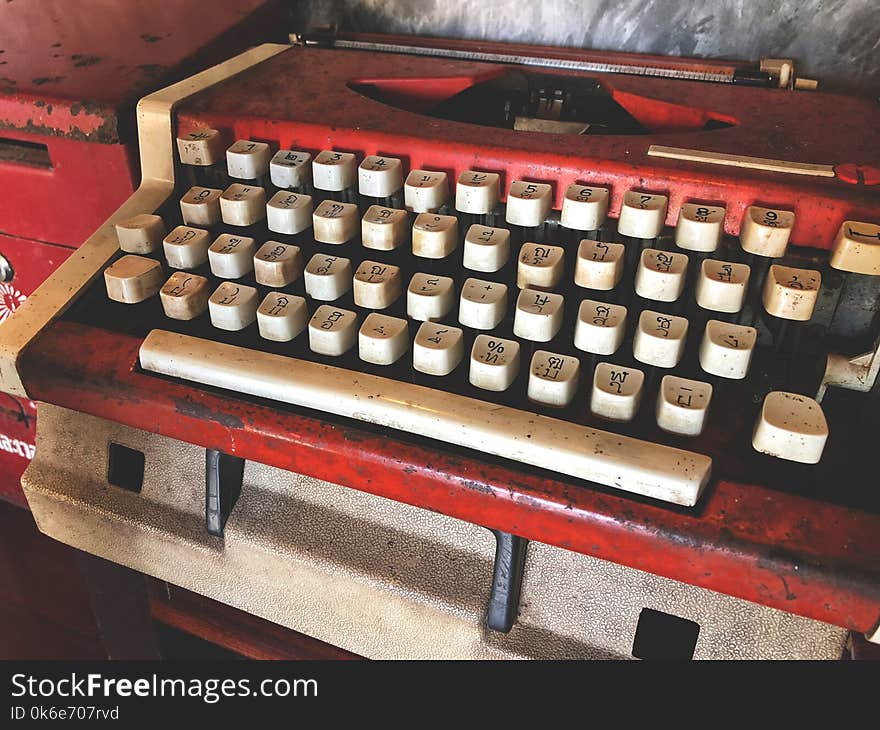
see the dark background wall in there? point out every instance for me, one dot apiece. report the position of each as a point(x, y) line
point(837, 41)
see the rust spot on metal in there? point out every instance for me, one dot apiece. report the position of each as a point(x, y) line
point(192, 409)
point(47, 80)
point(80, 60)
point(147, 38)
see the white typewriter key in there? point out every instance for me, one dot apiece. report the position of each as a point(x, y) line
point(726, 349)
point(599, 265)
point(248, 160)
point(699, 227)
point(277, 264)
point(281, 317)
point(528, 203)
point(765, 232)
point(425, 191)
point(201, 206)
point(661, 275)
point(617, 392)
point(683, 405)
point(486, 249)
point(289, 213)
point(327, 277)
point(334, 171)
point(231, 257)
point(185, 296)
point(791, 427)
point(494, 363)
point(141, 234)
point(336, 222)
point(384, 229)
point(721, 285)
point(132, 279)
point(233, 306)
point(429, 297)
point(243, 205)
point(376, 285)
point(553, 379)
point(483, 304)
point(857, 248)
point(186, 247)
point(539, 266)
point(434, 236)
point(380, 177)
point(332, 331)
point(642, 215)
point(290, 169)
point(437, 349)
point(538, 315)
point(791, 293)
point(202, 147)
point(659, 339)
point(477, 192)
point(584, 207)
point(382, 340)
point(600, 327)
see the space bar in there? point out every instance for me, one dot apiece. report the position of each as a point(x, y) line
point(653, 470)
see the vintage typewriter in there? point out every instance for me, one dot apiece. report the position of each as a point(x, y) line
point(435, 349)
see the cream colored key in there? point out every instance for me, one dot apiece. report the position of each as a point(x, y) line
point(482, 305)
point(600, 327)
point(584, 208)
point(425, 191)
point(722, 285)
point(202, 147)
point(538, 315)
point(336, 222)
point(281, 317)
point(617, 391)
point(437, 348)
point(332, 331)
point(243, 205)
point(384, 229)
point(327, 277)
point(477, 192)
point(231, 257)
point(201, 206)
point(132, 279)
point(659, 339)
point(289, 213)
point(485, 248)
point(857, 248)
point(699, 227)
point(186, 247)
point(494, 363)
point(599, 265)
point(290, 169)
point(380, 177)
point(377, 285)
point(539, 266)
point(791, 293)
point(661, 275)
point(553, 378)
point(726, 349)
point(528, 203)
point(791, 427)
point(334, 171)
point(765, 232)
point(247, 160)
point(434, 236)
point(185, 296)
point(683, 405)
point(141, 234)
point(233, 306)
point(642, 215)
point(277, 264)
point(383, 340)
point(429, 297)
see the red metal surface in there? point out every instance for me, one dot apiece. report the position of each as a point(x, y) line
point(799, 555)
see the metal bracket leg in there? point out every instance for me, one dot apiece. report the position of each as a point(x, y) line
point(507, 575)
point(223, 478)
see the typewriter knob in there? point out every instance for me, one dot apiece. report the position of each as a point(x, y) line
point(201, 147)
point(383, 340)
point(791, 293)
point(141, 234)
point(477, 192)
point(6, 270)
point(765, 232)
point(642, 215)
point(553, 378)
point(699, 227)
point(133, 279)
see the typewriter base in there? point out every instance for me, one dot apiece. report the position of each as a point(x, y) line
point(376, 577)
